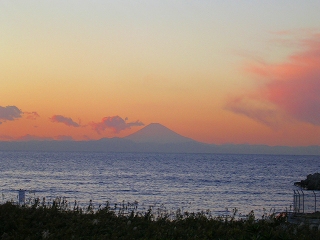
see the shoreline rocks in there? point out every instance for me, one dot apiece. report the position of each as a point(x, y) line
point(311, 183)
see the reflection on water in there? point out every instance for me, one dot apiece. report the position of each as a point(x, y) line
point(192, 182)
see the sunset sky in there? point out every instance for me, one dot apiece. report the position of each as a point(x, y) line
point(215, 71)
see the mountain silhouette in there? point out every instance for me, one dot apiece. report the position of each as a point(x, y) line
point(154, 138)
point(157, 133)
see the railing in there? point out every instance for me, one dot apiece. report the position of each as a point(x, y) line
point(306, 201)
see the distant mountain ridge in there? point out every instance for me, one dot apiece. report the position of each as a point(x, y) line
point(157, 133)
point(153, 138)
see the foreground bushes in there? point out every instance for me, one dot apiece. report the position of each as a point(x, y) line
point(54, 221)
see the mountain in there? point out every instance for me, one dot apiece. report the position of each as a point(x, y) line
point(154, 138)
point(157, 133)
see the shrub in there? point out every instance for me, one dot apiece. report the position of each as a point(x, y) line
point(56, 221)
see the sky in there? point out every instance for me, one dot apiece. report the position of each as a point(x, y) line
point(240, 72)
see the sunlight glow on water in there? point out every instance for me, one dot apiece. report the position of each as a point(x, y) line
point(192, 182)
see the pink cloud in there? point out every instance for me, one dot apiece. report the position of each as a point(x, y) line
point(9, 113)
point(256, 109)
point(291, 88)
point(65, 120)
point(115, 123)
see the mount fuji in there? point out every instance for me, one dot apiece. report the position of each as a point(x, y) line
point(157, 133)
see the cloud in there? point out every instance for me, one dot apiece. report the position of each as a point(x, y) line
point(290, 89)
point(31, 115)
point(9, 113)
point(65, 120)
point(115, 123)
point(257, 109)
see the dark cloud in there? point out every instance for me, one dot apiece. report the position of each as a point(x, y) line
point(9, 113)
point(65, 120)
point(115, 123)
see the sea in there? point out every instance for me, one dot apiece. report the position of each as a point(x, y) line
point(215, 183)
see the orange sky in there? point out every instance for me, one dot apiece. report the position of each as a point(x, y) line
point(217, 72)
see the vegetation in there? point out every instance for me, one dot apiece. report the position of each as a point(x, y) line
point(60, 221)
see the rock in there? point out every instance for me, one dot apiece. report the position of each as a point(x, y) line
point(311, 183)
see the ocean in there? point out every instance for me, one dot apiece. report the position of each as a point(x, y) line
point(190, 182)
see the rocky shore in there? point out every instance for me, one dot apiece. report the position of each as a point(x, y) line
point(311, 183)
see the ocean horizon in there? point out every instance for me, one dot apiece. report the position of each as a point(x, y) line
point(191, 182)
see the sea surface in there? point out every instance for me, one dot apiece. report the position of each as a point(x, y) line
point(190, 182)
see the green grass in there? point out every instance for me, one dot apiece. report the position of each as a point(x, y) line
point(59, 221)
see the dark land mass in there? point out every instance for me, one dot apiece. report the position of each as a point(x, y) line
point(154, 138)
point(312, 182)
point(123, 145)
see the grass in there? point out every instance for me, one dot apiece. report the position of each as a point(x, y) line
point(60, 220)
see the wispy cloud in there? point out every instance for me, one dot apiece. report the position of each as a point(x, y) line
point(115, 123)
point(9, 113)
point(256, 108)
point(31, 115)
point(67, 121)
point(291, 88)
